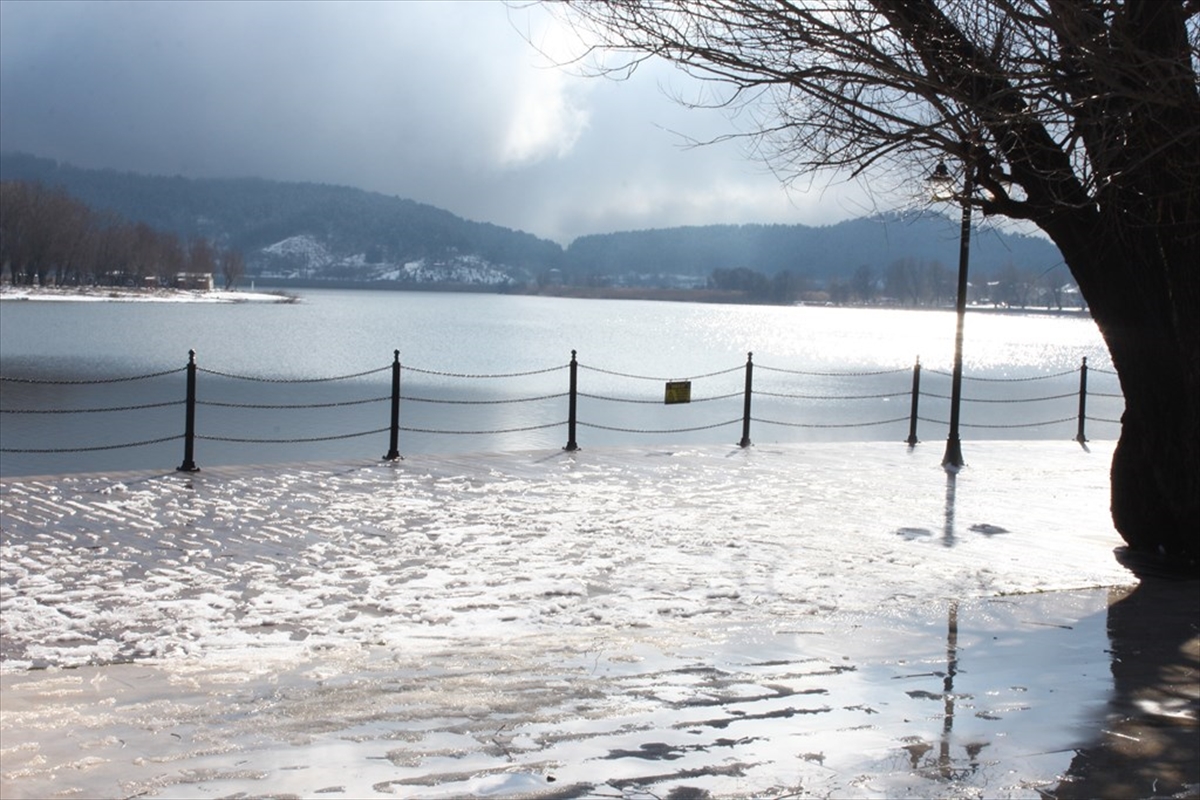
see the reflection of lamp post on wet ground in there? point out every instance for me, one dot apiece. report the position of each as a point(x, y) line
point(943, 189)
point(945, 762)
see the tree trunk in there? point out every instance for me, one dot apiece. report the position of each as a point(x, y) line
point(1141, 292)
point(1156, 467)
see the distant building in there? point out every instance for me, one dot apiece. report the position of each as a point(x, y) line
point(196, 281)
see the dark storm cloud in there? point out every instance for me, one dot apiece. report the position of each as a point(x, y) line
point(235, 87)
point(441, 102)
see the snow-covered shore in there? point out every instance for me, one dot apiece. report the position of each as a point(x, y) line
point(816, 620)
point(110, 294)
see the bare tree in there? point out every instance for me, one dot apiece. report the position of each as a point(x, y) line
point(113, 247)
point(1053, 283)
point(1081, 116)
point(145, 260)
point(201, 258)
point(14, 221)
point(907, 281)
point(233, 267)
point(29, 230)
point(863, 283)
point(74, 225)
point(172, 258)
point(48, 237)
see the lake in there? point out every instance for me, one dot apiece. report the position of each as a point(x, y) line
point(809, 381)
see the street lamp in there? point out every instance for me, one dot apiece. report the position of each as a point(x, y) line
point(943, 189)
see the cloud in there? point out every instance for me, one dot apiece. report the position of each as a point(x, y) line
point(544, 121)
point(547, 112)
point(453, 104)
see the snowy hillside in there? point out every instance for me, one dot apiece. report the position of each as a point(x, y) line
point(304, 257)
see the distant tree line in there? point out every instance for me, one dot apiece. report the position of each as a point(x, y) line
point(48, 238)
point(912, 283)
point(784, 287)
point(909, 283)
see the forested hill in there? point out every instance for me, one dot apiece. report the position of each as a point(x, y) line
point(820, 253)
point(332, 229)
point(320, 232)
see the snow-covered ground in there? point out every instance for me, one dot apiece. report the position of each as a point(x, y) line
point(95, 294)
point(812, 620)
point(304, 255)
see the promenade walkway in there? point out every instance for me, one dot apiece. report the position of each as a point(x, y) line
point(839, 620)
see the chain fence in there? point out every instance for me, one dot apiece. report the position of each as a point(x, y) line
point(841, 400)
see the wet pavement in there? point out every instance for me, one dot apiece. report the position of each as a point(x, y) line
point(684, 624)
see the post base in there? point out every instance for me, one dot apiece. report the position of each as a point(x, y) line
point(953, 459)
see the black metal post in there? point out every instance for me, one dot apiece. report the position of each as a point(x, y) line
point(393, 452)
point(189, 427)
point(953, 459)
point(1080, 437)
point(916, 394)
point(745, 442)
point(572, 446)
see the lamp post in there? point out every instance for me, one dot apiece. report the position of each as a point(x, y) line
point(943, 190)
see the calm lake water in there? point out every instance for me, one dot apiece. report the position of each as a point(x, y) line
point(626, 350)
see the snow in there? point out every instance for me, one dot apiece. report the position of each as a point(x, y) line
point(303, 248)
point(97, 294)
point(466, 269)
point(612, 538)
point(610, 623)
point(305, 256)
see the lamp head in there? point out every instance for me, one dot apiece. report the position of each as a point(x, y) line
point(941, 183)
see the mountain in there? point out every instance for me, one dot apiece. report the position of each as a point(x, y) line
point(303, 229)
point(821, 253)
point(316, 232)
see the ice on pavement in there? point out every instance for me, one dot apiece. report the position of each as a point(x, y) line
point(609, 622)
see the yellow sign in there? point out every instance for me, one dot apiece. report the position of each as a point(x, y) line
point(678, 392)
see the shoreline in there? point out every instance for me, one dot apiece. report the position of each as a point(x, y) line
point(116, 294)
point(279, 293)
point(661, 294)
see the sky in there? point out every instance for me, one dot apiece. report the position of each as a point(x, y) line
point(446, 103)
